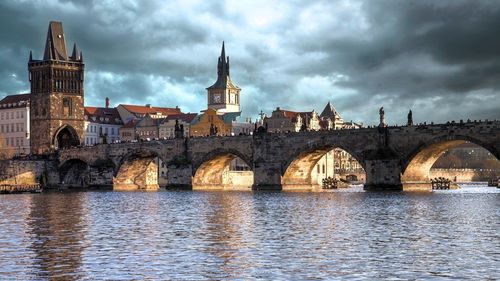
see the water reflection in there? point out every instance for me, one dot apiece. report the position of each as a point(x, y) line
point(57, 229)
point(263, 235)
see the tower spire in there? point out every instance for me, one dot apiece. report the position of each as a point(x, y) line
point(74, 55)
point(55, 46)
point(31, 55)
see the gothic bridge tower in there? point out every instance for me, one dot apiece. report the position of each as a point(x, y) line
point(56, 107)
point(223, 95)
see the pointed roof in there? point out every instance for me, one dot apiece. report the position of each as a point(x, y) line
point(330, 112)
point(74, 54)
point(55, 46)
point(223, 77)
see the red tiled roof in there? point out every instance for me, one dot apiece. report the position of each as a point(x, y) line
point(131, 124)
point(15, 99)
point(111, 114)
point(187, 117)
point(289, 114)
point(140, 109)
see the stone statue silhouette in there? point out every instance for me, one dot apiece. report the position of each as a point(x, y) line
point(410, 118)
point(381, 112)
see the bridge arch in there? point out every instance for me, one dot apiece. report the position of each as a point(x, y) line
point(415, 172)
point(298, 169)
point(214, 171)
point(137, 169)
point(74, 173)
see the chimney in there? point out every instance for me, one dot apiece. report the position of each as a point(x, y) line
point(107, 102)
point(148, 105)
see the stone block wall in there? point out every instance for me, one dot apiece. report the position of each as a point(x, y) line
point(28, 172)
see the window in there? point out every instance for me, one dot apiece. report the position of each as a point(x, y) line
point(318, 168)
point(67, 110)
point(17, 114)
point(112, 131)
point(324, 170)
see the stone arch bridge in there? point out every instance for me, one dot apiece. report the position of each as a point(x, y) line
point(394, 158)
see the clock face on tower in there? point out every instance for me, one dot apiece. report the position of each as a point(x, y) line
point(216, 98)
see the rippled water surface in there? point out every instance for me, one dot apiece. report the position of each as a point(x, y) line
point(243, 235)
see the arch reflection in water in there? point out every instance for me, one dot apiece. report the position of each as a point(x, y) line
point(58, 228)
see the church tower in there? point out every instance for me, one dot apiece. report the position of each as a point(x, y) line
point(56, 106)
point(223, 95)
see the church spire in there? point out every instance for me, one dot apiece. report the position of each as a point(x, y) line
point(31, 56)
point(223, 79)
point(74, 55)
point(223, 65)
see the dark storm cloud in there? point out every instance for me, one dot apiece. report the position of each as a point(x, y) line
point(440, 58)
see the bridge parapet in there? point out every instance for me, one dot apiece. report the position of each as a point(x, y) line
point(385, 153)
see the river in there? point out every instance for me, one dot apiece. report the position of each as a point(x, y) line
point(200, 235)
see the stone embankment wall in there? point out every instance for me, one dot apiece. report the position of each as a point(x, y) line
point(28, 172)
point(240, 179)
point(464, 175)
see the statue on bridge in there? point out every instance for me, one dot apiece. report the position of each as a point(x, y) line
point(381, 112)
point(213, 130)
point(410, 119)
point(178, 130)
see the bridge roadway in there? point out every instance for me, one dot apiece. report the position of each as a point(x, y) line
point(394, 158)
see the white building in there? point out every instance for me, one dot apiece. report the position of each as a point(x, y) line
point(102, 125)
point(14, 125)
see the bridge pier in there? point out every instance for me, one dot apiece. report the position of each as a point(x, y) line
point(267, 176)
point(179, 176)
point(383, 175)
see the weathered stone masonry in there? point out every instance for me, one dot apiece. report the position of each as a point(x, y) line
point(394, 158)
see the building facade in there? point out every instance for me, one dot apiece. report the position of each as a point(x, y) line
point(210, 123)
point(167, 125)
point(331, 118)
point(128, 132)
point(57, 95)
point(102, 125)
point(14, 125)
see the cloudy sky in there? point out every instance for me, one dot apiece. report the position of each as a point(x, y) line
point(439, 58)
